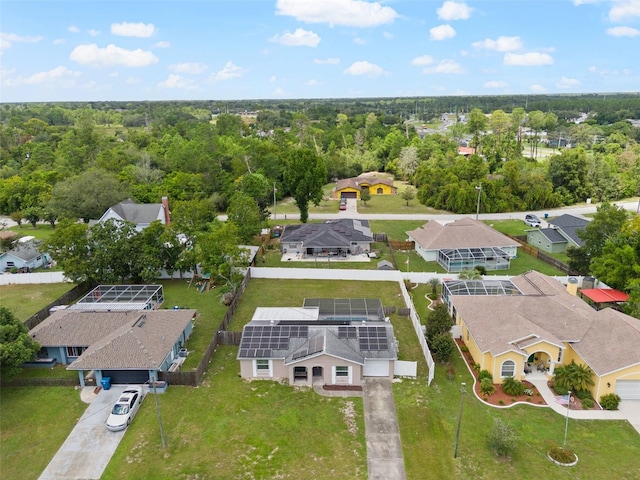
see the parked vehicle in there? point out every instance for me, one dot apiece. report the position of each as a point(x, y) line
point(532, 220)
point(125, 408)
point(343, 204)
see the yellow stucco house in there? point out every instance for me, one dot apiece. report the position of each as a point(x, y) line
point(352, 187)
point(530, 324)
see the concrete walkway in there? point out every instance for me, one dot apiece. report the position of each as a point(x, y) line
point(384, 448)
point(89, 447)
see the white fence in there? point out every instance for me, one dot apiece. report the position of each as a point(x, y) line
point(32, 278)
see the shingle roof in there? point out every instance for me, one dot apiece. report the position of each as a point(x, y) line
point(330, 233)
point(463, 233)
point(138, 213)
point(25, 252)
point(607, 340)
point(552, 235)
point(570, 225)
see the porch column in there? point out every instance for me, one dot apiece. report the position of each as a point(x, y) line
point(552, 366)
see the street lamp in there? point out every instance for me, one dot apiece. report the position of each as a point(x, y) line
point(566, 423)
point(462, 392)
point(479, 189)
point(274, 200)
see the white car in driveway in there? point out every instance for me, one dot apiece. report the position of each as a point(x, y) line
point(532, 220)
point(125, 408)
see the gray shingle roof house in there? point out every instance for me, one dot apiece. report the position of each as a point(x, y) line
point(331, 237)
point(562, 233)
point(333, 341)
point(463, 245)
point(142, 214)
point(537, 321)
point(128, 346)
point(25, 256)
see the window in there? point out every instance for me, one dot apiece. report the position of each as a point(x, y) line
point(75, 351)
point(559, 355)
point(508, 369)
point(342, 371)
point(262, 364)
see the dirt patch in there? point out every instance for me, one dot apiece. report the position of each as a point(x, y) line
point(499, 398)
point(352, 388)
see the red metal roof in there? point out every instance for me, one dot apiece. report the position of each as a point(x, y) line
point(604, 295)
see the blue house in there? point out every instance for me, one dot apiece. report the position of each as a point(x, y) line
point(129, 346)
point(24, 257)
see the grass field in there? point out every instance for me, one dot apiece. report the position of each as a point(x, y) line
point(229, 428)
point(25, 300)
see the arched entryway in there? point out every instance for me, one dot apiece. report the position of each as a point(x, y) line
point(539, 363)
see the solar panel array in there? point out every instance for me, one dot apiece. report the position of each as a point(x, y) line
point(315, 345)
point(353, 309)
point(373, 338)
point(258, 341)
point(347, 332)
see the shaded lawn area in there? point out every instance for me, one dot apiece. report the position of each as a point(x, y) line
point(25, 300)
point(34, 423)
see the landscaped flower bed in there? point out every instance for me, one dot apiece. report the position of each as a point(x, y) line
point(500, 398)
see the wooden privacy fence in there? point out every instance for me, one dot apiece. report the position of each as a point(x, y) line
point(67, 298)
point(531, 250)
point(193, 377)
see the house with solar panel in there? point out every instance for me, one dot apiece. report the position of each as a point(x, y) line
point(327, 341)
point(464, 245)
point(337, 238)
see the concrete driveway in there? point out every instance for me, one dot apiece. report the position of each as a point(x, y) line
point(90, 446)
point(630, 409)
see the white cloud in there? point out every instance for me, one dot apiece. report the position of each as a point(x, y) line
point(133, 81)
point(365, 68)
point(229, 71)
point(387, 35)
point(192, 68)
point(278, 92)
point(359, 41)
point(111, 55)
point(501, 44)
point(127, 29)
point(273, 78)
point(567, 82)
point(59, 41)
point(584, 2)
point(94, 33)
point(495, 84)
point(177, 81)
point(313, 83)
point(422, 60)
point(442, 32)
point(299, 38)
point(8, 39)
point(73, 29)
point(327, 61)
point(446, 67)
point(623, 32)
point(454, 11)
point(532, 59)
point(162, 44)
point(622, 10)
point(349, 13)
point(537, 88)
point(60, 75)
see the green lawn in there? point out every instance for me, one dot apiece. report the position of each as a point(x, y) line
point(42, 231)
point(25, 300)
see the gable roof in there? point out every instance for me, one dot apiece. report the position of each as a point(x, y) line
point(570, 225)
point(138, 213)
point(25, 252)
point(330, 233)
point(463, 233)
point(551, 234)
point(365, 180)
point(115, 340)
point(547, 312)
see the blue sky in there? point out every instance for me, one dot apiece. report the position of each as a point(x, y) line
point(73, 50)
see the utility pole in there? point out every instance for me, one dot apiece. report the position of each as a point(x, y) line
point(155, 394)
point(566, 423)
point(479, 189)
point(275, 190)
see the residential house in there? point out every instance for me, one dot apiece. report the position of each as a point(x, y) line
point(464, 245)
point(330, 238)
point(23, 257)
point(532, 323)
point(327, 341)
point(352, 187)
point(141, 214)
point(561, 233)
point(129, 346)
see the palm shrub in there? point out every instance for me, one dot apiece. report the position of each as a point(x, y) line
point(573, 377)
point(610, 401)
point(511, 386)
point(487, 387)
point(485, 374)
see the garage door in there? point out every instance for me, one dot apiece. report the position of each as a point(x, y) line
point(127, 377)
point(628, 389)
point(348, 195)
point(376, 368)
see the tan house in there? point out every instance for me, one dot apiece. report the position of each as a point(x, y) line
point(327, 341)
point(532, 323)
point(352, 187)
point(463, 245)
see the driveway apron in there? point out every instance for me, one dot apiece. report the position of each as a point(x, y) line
point(384, 449)
point(90, 446)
